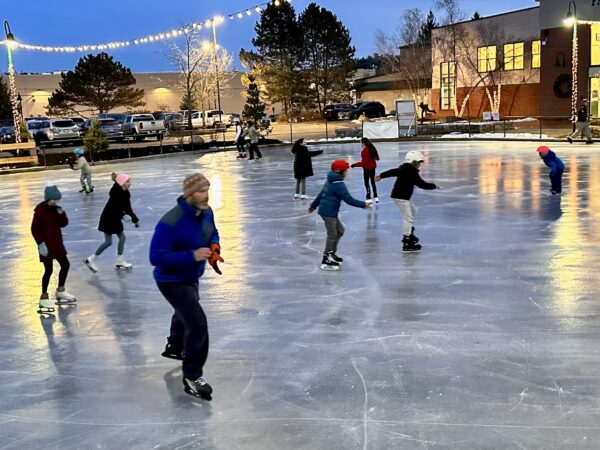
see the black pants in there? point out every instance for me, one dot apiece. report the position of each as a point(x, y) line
point(369, 175)
point(556, 180)
point(62, 275)
point(189, 332)
point(254, 148)
point(240, 145)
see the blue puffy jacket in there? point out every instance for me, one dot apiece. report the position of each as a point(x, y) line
point(554, 162)
point(334, 191)
point(181, 231)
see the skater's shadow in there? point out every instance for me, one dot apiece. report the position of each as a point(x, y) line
point(551, 210)
point(173, 381)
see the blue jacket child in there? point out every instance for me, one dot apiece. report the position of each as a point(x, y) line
point(556, 168)
point(328, 201)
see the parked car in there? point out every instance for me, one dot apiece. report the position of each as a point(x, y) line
point(333, 111)
point(79, 121)
point(212, 118)
point(120, 118)
point(7, 134)
point(110, 128)
point(48, 132)
point(172, 121)
point(369, 109)
point(142, 125)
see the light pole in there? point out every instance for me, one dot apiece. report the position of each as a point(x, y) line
point(10, 43)
point(571, 20)
point(216, 60)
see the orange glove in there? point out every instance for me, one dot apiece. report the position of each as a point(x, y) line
point(215, 257)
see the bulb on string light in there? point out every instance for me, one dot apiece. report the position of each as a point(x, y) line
point(248, 12)
point(240, 15)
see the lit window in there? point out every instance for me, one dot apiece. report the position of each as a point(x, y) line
point(595, 45)
point(486, 58)
point(447, 85)
point(513, 56)
point(536, 51)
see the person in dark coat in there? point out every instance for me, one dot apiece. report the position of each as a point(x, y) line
point(302, 166)
point(117, 208)
point(48, 221)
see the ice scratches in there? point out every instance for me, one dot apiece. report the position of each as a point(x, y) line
point(532, 301)
point(559, 391)
point(510, 439)
point(375, 339)
point(365, 407)
point(406, 437)
point(522, 395)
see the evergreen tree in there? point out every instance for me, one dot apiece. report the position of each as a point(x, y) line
point(476, 16)
point(426, 28)
point(254, 109)
point(368, 62)
point(328, 54)
point(5, 104)
point(98, 83)
point(188, 101)
point(94, 140)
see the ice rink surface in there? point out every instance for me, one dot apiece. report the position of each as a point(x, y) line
point(489, 338)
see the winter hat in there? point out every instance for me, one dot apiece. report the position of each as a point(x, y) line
point(51, 192)
point(543, 149)
point(78, 151)
point(339, 165)
point(122, 178)
point(195, 182)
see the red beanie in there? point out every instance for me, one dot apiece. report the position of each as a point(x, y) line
point(543, 149)
point(339, 165)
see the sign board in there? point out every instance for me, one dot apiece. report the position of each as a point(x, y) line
point(406, 114)
point(496, 116)
point(487, 116)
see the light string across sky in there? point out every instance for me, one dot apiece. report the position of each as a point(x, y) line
point(173, 33)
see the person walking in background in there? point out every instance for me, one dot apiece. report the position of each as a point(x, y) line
point(117, 208)
point(86, 171)
point(253, 135)
point(48, 221)
point(556, 168)
point(302, 166)
point(184, 239)
point(582, 126)
point(368, 161)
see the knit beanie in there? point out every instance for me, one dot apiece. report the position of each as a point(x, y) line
point(122, 178)
point(51, 192)
point(196, 182)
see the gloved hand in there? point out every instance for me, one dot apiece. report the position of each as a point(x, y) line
point(352, 166)
point(215, 257)
point(42, 249)
point(137, 224)
point(70, 164)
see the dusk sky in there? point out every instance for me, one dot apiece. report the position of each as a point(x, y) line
point(64, 22)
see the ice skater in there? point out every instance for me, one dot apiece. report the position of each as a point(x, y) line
point(86, 171)
point(184, 239)
point(368, 161)
point(556, 168)
point(302, 166)
point(582, 126)
point(253, 135)
point(239, 138)
point(48, 221)
point(328, 201)
point(407, 177)
point(117, 208)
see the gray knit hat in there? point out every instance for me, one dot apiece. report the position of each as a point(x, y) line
point(196, 182)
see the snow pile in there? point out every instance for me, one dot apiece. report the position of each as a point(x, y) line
point(495, 136)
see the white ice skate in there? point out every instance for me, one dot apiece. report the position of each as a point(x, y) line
point(63, 297)
point(122, 264)
point(89, 261)
point(296, 196)
point(304, 197)
point(45, 306)
point(376, 199)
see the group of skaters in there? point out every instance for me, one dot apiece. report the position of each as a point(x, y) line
point(186, 238)
point(240, 139)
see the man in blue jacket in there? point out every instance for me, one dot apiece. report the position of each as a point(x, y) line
point(328, 201)
point(184, 239)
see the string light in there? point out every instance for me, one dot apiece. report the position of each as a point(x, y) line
point(574, 73)
point(173, 33)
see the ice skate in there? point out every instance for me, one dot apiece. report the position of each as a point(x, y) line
point(376, 199)
point(89, 261)
point(328, 263)
point(569, 140)
point(409, 246)
point(336, 258)
point(170, 352)
point(45, 305)
point(63, 297)
point(296, 196)
point(304, 197)
point(198, 388)
point(122, 264)
point(82, 189)
point(412, 235)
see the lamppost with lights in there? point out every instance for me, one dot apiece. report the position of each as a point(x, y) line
point(10, 43)
point(571, 20)
point(216, 62)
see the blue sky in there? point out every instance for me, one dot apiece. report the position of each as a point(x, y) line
point(63, 22)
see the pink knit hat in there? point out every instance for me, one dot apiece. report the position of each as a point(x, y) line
point(122, 178)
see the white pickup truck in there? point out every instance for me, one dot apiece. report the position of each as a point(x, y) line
point(141, 125)
point(210, 119)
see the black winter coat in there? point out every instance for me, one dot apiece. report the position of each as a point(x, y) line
point(117, 206)
point(407, 178)
point(302, 162)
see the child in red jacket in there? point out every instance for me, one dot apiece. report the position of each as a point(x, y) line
point(48, 220)
point(368, 161)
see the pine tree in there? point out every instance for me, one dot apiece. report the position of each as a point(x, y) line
point(188, 102)
point(426, 28)
point(476, 16)
point(254, 109)
point(94, 140)
point(5, 104)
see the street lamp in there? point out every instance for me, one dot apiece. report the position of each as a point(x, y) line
point(571, 20)
point(216, 60)
point(10, 43)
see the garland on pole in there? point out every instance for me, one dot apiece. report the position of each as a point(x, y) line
point(171, 34)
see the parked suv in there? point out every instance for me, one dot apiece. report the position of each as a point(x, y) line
point(172, 121)
point(369, 109)
point(110, 128)
point(332, 112)
point(53, 131)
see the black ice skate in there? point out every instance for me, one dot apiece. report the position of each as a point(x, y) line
point(328, 263)
point(409, 246)
point(412, 236)
point(198, 388)
point(336, 258)
point(170, 352)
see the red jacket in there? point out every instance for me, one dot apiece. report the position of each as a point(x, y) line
point(46, 227)
point(366, 161)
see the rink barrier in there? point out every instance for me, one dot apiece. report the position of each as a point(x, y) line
point(17, 157)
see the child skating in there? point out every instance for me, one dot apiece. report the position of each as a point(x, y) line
point(111, 221)
point(86, 171)
point(407, 177)
point(328, 201)
point(302, 166)
point(48, 221)
point(368, 161)
point(239, 138)
point(556, 168)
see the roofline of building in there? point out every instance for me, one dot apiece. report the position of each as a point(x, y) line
point(488, 17)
